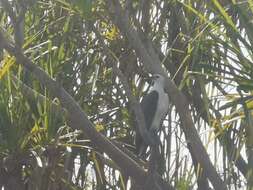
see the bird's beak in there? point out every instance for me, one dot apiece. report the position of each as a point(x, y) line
point(150, 79)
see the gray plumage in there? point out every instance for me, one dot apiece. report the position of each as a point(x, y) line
point(154, 106)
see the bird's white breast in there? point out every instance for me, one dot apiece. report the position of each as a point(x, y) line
point(162, 108)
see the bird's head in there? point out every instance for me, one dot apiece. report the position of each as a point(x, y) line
point(157, 79)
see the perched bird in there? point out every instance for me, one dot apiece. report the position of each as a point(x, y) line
point(154, 106)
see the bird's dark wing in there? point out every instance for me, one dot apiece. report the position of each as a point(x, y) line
point(149, 106)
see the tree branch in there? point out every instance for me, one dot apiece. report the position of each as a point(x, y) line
point(78, 118)
point(152, 64)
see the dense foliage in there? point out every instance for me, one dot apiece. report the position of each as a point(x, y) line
point(100, 52)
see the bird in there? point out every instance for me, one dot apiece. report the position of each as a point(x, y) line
point(154, 106)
